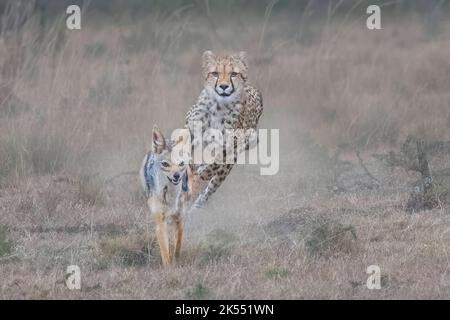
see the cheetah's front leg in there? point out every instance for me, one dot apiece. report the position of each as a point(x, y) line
point(212, 186)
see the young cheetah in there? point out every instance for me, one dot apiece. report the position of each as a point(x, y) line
point(228, 101)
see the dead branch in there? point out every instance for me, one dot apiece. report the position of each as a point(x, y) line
point(408, 157)
point(361, 163)
point(422, 196)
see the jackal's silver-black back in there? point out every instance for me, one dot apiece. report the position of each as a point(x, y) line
point(147, 173)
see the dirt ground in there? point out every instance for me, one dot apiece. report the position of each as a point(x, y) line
point(271, 245)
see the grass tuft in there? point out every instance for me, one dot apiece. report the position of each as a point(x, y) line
point(46, 154)
point(326, 237)
point(6, 244)
point(90, 191)
point(130, 250)
point(198, 292)
point(277, 273)
point(9, 159)
point(215, 246)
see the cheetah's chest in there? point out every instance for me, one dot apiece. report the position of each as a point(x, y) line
point(223, 116)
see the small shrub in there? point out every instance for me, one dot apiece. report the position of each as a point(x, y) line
point(211, 252)
point(6, 244)
point(442, 188)
point(326, 237)
point(198, 292)
point(277, 273)
point(216, 246)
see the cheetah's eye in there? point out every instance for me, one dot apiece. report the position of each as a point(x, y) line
point(234, 74)
point(165, 164)
point(214, 74)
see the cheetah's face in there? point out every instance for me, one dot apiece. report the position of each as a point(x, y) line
point(225, 75)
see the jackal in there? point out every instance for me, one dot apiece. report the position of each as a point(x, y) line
point(164, 178)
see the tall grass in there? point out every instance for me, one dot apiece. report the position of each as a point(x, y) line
point(78, 101)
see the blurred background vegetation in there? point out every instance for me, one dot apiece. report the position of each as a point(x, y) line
point(432, 11)
point(85, 101)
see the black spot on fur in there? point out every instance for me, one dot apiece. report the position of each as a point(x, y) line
point(165, 194)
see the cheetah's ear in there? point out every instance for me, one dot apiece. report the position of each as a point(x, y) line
point(183, 136)
point(207, 58)
point(158, 141)
point(182, 147)
point(243, 57)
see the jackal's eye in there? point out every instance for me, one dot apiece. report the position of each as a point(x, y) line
point(181, 164)
point(234, 74)
point(214, 74)
point(165, 164)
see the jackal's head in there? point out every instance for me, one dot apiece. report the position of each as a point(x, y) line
point(172, 156)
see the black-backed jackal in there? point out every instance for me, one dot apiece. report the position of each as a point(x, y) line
point(164, 177)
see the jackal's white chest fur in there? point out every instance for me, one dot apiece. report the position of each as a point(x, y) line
point(167, 199)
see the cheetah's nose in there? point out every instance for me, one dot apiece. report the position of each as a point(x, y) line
point(223, 86)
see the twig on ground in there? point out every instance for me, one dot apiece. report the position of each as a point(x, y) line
point(361, 163)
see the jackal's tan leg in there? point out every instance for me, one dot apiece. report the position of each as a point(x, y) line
point(163, 238)
point(178, 234)
point(161, 230)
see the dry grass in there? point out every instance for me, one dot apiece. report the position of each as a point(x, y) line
point(326, 237)
point(78, 107)
point(6, 244)
point(134, 250)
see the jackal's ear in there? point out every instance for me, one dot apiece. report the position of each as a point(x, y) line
point(158, 141)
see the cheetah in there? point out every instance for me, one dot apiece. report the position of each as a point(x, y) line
point(227, 101)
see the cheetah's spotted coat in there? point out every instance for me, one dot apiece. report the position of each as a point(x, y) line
point(227, 101)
